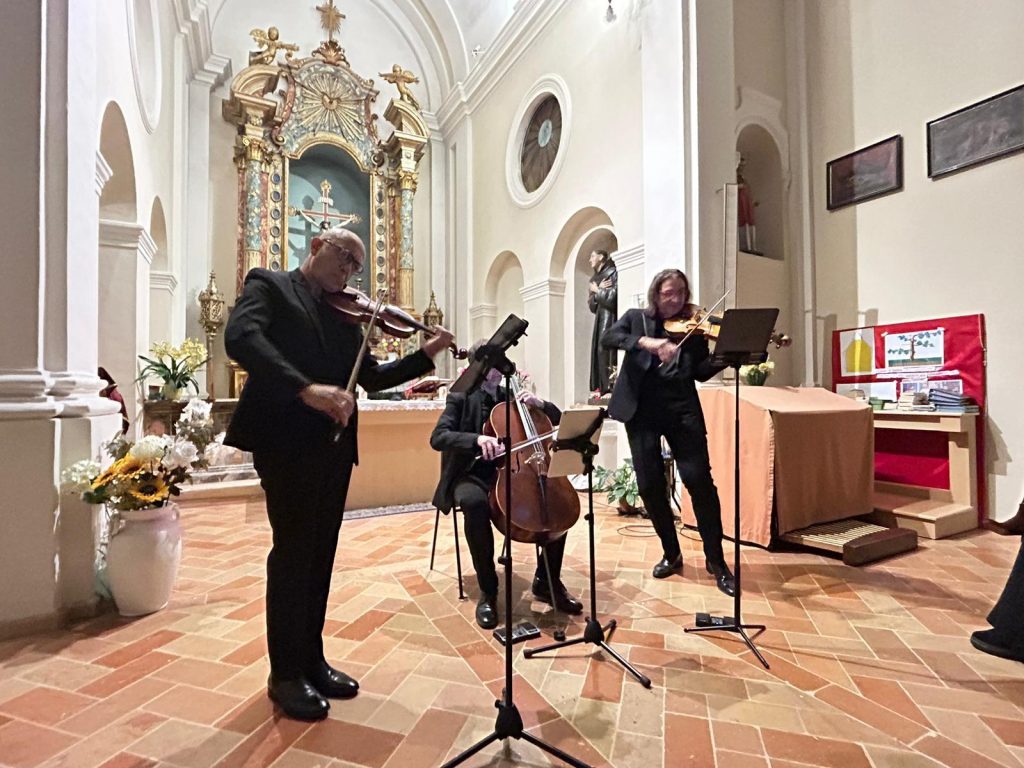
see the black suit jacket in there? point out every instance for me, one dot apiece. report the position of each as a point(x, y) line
point(692, 364)
point(455, 436)
point(285, 341)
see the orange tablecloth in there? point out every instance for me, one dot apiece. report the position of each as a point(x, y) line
point(805, 453)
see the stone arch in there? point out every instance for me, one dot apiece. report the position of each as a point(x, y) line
point(576, 226)
point(162, 282)
point(118, 199)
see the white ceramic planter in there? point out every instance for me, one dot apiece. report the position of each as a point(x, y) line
point(143, 558)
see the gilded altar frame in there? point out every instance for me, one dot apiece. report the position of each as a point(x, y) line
point(280, 110)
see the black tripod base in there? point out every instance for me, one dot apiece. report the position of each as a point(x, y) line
point(509, 725)
point(740, 629)
point(594, 634)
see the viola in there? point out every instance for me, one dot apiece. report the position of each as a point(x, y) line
point(358, 308)
point(696, 321)
point(543, 508)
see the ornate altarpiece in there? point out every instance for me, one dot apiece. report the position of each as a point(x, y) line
point(284, 108)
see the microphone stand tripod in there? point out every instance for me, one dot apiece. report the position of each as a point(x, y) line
point(593, 633)
point(509, 723)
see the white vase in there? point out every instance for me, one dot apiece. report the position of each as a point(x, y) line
point(143, 558)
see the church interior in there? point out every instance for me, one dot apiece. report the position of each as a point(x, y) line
point(853, 164)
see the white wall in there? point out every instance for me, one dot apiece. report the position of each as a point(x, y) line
point(600, 65)
point(938, 248)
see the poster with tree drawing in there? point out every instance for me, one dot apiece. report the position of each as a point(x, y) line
point(904, 350)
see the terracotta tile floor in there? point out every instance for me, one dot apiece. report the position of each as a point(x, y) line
point(869, 666)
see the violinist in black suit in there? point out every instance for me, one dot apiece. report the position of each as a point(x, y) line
point(466, 481)
point(299, 421)
point(655, 395)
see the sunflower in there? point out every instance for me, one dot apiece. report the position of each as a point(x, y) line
point(126, 468)
point(150, 490)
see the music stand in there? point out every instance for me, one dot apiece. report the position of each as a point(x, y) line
point(742, 340)
point(508, 723)
point(573, 452)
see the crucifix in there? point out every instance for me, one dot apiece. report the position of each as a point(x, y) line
point(327, 218)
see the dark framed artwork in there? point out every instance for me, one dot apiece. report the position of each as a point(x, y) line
point(984, 131)
point(865, 173)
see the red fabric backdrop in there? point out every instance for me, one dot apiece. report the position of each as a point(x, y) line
point(917, 457)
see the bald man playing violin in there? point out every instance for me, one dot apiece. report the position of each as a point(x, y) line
point(299, 354)
point(470, 464)
point(655, 396)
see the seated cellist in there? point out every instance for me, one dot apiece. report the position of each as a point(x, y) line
point(466, 481)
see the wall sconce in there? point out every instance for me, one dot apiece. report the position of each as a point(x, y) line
point(609, 14)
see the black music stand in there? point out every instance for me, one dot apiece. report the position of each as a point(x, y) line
point(742, 340)
point(509, 723)
point(583, 443)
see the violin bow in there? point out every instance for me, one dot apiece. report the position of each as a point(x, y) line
point(688, 335)
point(351, 388)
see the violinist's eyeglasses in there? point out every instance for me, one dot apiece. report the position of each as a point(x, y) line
point(346, 256)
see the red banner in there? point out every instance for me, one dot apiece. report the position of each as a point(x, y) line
point(886, 360)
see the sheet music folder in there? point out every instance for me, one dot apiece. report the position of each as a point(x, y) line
point(744, 335)
point(575, 423)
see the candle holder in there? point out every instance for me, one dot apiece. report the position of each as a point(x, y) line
point(211, 318)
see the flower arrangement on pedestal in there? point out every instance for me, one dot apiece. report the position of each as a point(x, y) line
point(756, 375)
point(140, 546)
point(175, 366)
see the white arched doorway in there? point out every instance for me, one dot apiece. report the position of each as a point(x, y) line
point(125, 253)
point(587, 229)
point(162, 282)
point(502, 296)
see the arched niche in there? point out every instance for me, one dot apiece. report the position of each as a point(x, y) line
point(502, 290)
point(762, 173)
point(118, 199)
point(579, 318)
point(162, 282)
point(158, 231)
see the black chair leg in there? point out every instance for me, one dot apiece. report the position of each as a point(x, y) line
point(433, 547)
point(458, 555)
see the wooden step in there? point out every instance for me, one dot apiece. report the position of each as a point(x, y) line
point(933, 518)
point(857, 540)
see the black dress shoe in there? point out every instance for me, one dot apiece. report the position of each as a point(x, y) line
point(487, 611)
point(723, 578)
point(987, 641)
point(332, 683)
point(666, 567)
point(298, 699)
point(563, 600)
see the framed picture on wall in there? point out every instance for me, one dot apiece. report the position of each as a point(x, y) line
point(984, 131)
point(865, 173)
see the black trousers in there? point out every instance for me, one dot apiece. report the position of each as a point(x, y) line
point(305, 503)
point(1007, 617)
point(690, 449)
point(471, 495)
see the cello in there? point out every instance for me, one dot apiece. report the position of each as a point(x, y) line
point(543, 508)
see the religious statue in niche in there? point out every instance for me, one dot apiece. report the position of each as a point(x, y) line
point(602, 299)
point(747, 234)
point(401, 78)
point(271, 42)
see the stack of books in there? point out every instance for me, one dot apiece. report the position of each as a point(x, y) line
point(914, 401)
point(951, 402)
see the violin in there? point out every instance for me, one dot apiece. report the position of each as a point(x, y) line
point(543, 508)
point(358, 308)
point(696, 321)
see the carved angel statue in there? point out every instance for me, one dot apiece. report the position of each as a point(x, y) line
point(270, 40)
point(401, 79)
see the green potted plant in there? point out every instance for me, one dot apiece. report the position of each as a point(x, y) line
point(175, 366)
point(619, 485)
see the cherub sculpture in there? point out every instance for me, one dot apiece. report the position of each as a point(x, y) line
point(270, 40)
point(401, 79)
